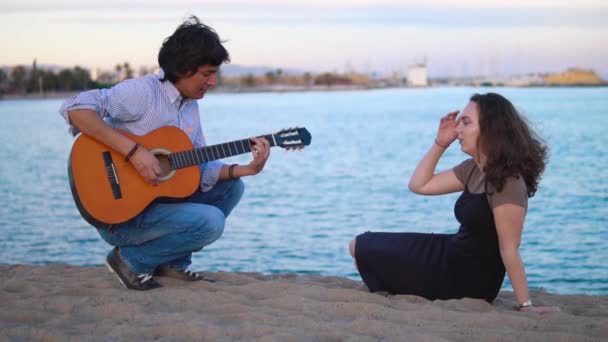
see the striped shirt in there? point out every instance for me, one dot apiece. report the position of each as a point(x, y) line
point(142, 105)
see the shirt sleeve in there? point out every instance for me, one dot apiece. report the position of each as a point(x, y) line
point(463, 170)
point(210, 171)
point(514, 191)
point(210, 174)
point(126, 101)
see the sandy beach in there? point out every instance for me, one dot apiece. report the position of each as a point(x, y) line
point(63, 302)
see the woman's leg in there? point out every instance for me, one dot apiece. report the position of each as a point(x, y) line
point(351, 249)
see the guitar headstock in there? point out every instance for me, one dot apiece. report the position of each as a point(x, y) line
point(292, 138)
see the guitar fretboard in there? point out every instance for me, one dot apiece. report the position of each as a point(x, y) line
point(179, 160)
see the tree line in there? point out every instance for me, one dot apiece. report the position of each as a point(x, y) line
point(21, 80)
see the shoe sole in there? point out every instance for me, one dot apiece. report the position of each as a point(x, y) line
point(176, 275)
point(116, 274)
point(124, 282)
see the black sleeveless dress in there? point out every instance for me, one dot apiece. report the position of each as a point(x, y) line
point(437, 266)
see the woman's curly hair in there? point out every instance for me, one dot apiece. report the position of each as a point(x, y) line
point(193, 44)
point(511, 147)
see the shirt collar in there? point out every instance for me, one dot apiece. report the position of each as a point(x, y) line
point(169, 89)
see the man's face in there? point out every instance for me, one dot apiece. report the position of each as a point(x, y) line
point(196, 84)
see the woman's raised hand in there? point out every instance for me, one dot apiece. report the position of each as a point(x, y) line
point(447, 133)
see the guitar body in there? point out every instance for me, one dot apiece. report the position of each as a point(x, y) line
point(108, 190)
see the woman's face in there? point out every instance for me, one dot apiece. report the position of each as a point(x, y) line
point(468, 129)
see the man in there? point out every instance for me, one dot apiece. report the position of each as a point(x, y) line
point(161, 239)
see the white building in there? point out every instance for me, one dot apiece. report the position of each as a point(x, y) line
point(417, 76)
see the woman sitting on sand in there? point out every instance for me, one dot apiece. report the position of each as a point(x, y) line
point(507, 162)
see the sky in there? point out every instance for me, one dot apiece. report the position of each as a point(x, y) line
point(454, 37)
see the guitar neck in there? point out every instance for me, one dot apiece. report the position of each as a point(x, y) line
point(179, 160)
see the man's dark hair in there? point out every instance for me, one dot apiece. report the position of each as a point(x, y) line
point(192, 45)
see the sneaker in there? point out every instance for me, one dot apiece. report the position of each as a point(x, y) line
point(130, 279)
point(186, 275)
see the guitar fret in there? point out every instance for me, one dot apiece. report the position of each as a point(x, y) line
point(196, 156)
point(229, 149)
point(181, 160)
point(186, 159)
point(175, 157)
point(190, 158)
point(223, 151)
point(235, 150)
point(212, 153)
point(199, 155)
point(271, 140)
point(217, 152)
point(227, 145)
point(176, 160)
point(205, 150)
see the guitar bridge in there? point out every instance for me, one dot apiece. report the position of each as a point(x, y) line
point(112, 175)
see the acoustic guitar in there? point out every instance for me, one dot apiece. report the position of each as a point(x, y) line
point(108, 190)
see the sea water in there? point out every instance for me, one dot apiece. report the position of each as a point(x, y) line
point(299, 214)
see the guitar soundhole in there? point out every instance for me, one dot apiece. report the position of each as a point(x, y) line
point(165, 166)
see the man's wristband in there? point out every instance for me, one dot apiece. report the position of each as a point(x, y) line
point(231, 171)
point(132, 152)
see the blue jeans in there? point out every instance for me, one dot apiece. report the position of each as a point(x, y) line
point(168, 232)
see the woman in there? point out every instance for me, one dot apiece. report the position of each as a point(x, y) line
point(507, 160)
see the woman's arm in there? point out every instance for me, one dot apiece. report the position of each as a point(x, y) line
point(424, 181)
point(509, 219)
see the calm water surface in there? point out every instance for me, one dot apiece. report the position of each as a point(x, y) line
point(299, 214)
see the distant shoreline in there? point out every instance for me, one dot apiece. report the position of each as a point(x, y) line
point(291, 89)
point(38, 96)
